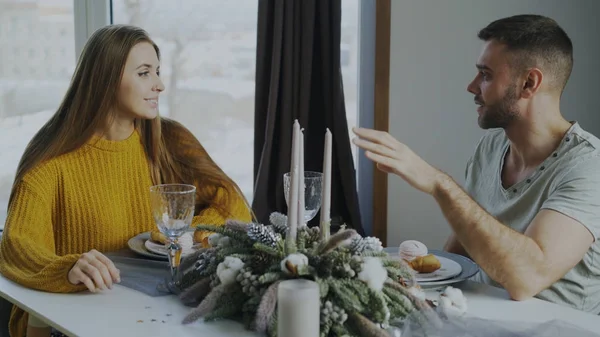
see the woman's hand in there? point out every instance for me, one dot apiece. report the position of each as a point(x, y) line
point(94, 270)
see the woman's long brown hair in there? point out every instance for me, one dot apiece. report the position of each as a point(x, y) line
point(174, 154)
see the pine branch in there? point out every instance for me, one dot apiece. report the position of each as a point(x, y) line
point(301, 240)
point(266, 308)
point(267, 250)
point(340, 330)
point(400, 306)
point(374, 254)
point(240, 237)
point(189, 260)
point(227, 251)
point(365, 327)
point(347, 298)
point(236, 225)
point(338, 239)
point(272, 331)
point(207, 305)
point(323, 287)
point(226, 310)
point(269, 277)
point(424, 314)
point(196, 292)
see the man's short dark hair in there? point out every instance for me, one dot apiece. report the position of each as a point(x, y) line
point(537, 41)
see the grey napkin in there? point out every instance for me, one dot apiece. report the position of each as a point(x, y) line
point(141, 274)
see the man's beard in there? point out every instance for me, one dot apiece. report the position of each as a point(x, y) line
point(500, 114)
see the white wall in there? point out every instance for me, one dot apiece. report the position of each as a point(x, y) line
point(434, 47)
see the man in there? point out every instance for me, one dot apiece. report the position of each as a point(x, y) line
point(530, 216)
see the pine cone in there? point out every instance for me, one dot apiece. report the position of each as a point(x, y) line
point(373, 244)
point(206, 261)
point(359, 246)
point(279, 222)
point(260, 262)
point(262, 234)
point(332, 314)
point(248, 281)
point(323, 264)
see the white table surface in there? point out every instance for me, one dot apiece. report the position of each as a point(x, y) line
point(123, 311)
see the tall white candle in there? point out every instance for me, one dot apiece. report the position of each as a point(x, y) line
point(298, 311)
point(301, 186)
point(326, 193)
point(293, 194)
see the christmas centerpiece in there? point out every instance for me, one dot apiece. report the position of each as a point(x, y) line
point(363, 291)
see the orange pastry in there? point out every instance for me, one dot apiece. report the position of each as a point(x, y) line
point(425, 264)
point(158, 237)
point(201, 237)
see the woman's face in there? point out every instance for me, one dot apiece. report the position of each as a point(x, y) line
point(140, 84)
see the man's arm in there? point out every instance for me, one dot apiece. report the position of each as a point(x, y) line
point(524, 264)
point(453, 246)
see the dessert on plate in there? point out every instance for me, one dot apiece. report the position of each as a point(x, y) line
point(186, 241)
point(416, 254)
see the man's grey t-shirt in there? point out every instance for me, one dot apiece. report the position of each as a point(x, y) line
point(568, 181)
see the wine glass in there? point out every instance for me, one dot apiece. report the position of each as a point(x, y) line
point(312, 193)
point(173, 209)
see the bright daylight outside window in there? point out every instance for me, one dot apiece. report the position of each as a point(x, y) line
point(208, 67)
point(37, 59)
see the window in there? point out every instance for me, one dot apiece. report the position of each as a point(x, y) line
point(208, 51)
point(37, 60)
point(208, 65)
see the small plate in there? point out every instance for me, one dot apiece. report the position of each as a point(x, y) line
point(138, 245)
point(468, 267)
point(449, 269)
point(160, 249)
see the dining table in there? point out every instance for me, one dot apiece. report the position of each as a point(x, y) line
point(123, 311)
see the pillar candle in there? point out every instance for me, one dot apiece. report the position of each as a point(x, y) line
point(301, 186)
point(298, 311)
point(326, 189)
point(293, 194)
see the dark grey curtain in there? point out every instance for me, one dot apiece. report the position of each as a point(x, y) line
point(298, 76)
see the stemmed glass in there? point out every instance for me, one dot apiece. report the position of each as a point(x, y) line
point(312, 193)
point(173, 209)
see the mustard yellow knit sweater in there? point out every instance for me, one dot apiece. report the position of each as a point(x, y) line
point(96, 197)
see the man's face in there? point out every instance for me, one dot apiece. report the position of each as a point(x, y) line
point(495, 88)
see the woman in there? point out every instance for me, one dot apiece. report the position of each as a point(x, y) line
point(82, 186)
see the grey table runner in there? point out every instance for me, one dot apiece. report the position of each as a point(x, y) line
point(139, 273)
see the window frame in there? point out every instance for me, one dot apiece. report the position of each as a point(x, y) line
point(89, 15)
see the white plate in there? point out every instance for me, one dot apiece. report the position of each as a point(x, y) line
point(160, 249)
point(449, 269)
point(469, 268)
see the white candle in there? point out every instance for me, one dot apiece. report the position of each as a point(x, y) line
point(326, 192)
point(298, 311)
point(301, 187)
point(293, 196)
